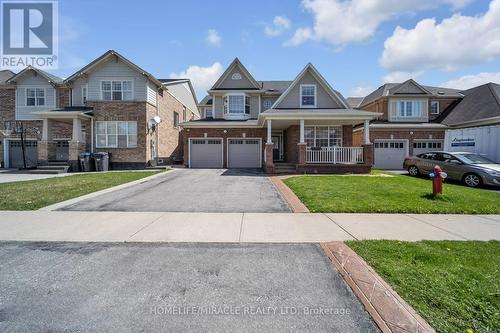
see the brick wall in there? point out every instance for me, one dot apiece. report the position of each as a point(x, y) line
point(64, 97)
point(292, 135)
point(380, 105)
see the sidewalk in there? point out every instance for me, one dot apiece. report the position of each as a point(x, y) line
point(237, 227)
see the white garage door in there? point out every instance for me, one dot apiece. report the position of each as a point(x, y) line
point(424, 146)
point(390, 155)
point(205, 153)
point(244, 153)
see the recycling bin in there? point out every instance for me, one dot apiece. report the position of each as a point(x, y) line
point(101, 161)
point(86, 164)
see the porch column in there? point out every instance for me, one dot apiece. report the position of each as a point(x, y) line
point(367, 132)
point(76, 145)
point(268, 157)
point(269, 132)
point(45, 130)
point(77, 130)
point(44, 146)
point(302, 131)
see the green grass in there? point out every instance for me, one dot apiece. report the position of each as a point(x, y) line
point(454, 285)
point(397, 194)
point(35, 194)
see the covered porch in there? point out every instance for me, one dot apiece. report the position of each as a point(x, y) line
point(65, 134)
point(316, 141)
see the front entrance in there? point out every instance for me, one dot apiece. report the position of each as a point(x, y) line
point(277, 138)
point(62, 150)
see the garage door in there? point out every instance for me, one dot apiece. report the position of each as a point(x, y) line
point(244, 153)
point(390, 154)
point(16, 154)
point(420, 147)
point(205, 153)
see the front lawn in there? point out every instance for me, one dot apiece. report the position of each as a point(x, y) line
point(396, 194)
point(35, 194)
point(454, 285)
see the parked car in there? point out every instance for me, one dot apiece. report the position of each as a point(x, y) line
point(471, 169)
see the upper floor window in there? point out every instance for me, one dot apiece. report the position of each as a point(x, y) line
point(116, 90)
point(184, 114)
point(409, 109)
point(237, 104)
point(208, 113)
point(35, 96)
point(116, 134)
point(84, 94)
point(267, 104)
point(176, 119)
point(434, 107)
point(308, 95)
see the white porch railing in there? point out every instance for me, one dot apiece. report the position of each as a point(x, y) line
point(334, 155)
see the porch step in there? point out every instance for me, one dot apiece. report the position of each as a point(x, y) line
point(285, 168)
point(51, 168)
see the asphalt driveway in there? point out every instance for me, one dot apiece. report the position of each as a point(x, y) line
point(194, 190)
point(138, 287)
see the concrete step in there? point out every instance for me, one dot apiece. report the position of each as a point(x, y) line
point(47, 171)
point(53, 167)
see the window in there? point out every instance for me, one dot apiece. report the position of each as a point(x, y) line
point(308, 95)
point(116, 90)
point(208, 113)
point(236, 76)
point(35, 96)
point(408, 109)
point(84, 94)
point(236, 104)
point(184, 114)
point(176, 119)
point(434, 107)
point(116, 134)
point(323, 136)
point(267, 104)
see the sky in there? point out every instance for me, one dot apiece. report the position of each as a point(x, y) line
point(357, 45)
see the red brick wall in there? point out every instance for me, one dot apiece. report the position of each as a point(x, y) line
point(292, 139)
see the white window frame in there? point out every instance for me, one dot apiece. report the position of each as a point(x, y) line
point(267, 101)
point(209, 111)
point(237, 115)
point(338, 128)
point(178, 119)
point(122, 90)
point(315, 95)
point(36, 98)
point(107, 145)
point(404, 115)
point(85, 93)
point(437, 107)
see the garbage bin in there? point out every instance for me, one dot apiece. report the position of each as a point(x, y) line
point(85, 163)
point(101, 161)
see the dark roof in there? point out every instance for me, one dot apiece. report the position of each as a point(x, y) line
point(48, 76)
point(277, 87)
point(53, 78)
point(207, 100)
point(477, 104)
point(354, 102)
point(171, 80)
point(385, 90)
point(5, 75)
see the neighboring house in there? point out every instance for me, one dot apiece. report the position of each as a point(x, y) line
point(111, 105)
point(474, 123)
point(410, 120)
point(302, 125)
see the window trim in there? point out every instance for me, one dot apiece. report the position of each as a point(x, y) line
point(116, 125)
point(85, 96)
point(315, 95)
point(175, 113)
point(111, 82)
point(396, 114)
point(434, 102)
point(267, 101)
point(338, 127)
point(36, 98)
point(239, 115)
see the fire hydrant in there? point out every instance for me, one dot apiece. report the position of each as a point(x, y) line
point(438, 177)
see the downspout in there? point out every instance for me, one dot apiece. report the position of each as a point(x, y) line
point(92, 134)
point(157, 146)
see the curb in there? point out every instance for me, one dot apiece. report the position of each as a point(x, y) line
point(65, 203)
point(291, 199)
point(389, 311)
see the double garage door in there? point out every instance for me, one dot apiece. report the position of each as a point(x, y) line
point(241, 153)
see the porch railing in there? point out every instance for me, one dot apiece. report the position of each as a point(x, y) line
point(334, 155)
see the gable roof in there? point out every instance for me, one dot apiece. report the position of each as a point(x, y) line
point(106, 56)
point(49, 77)
point(187, 97)
point(354, 102)
point(5, 75)
point(478, 104)
point(207, 100)
point(387, 89)
point(275, 87)
point(314, 72)
point(236, 62)
point(399, 89)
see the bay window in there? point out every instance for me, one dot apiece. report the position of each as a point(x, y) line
point(308, 95)
point(408, 109)
point(116, 90)
point(236, 104)
point(323, 136)
point(116, 134)
point(35, 96)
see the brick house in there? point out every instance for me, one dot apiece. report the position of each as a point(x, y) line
point(110, 105)
point(302, 125)
point(409, 121)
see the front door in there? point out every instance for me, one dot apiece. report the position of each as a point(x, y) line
point(277, 148)
point(62, 150)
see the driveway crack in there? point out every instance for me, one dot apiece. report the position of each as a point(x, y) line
point(341, 227)
point(144, 227)
point(241, 227)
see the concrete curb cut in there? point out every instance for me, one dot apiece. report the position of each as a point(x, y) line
point(389, 311)
point(62, 204)
point(291, 199)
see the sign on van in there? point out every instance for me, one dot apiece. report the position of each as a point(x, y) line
point(463, 141)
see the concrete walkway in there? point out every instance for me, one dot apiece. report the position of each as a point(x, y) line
point(240, 227)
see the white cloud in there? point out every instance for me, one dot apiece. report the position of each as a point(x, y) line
point(300, 36)
point(400, 76)
point(456, 42)
point(213, 38)
point(280, 25)
point(340, 22)
point(361, 91)
point(202, 78)
point(470, 81)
